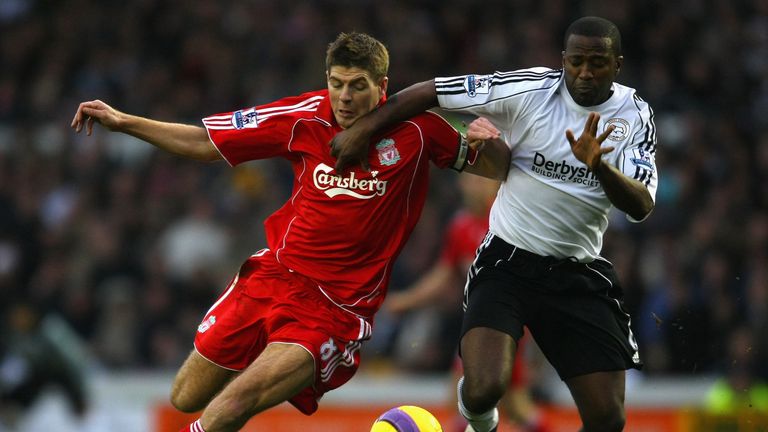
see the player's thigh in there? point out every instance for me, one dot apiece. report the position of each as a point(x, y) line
point(280, 372)
point(487, 355)
point(197, 382)
point(492, 323)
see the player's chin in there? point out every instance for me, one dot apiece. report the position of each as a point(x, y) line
point(346, 120)
point(585, 97)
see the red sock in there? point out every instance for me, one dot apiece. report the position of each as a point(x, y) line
point(194, 427)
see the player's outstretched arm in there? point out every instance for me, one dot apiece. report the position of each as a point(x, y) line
point(493, 154)
point(185, 140)
point(626, 194)
point(429, 288)
point(350, 146)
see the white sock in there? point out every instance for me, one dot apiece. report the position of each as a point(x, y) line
point(483, 422)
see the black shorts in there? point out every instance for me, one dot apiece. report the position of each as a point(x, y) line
point(573, 310)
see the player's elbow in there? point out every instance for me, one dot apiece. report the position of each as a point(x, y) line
point(643, 210)
point(204, 152)
point(210, 156)
point(503, 170)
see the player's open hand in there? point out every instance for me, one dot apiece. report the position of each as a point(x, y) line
point(479, 131)
point(350, 147)
point(588, 147)
point(95, 111)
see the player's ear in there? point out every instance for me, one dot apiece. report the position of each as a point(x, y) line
point(619, 62)
point(383, 86)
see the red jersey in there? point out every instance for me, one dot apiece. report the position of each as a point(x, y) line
point(343, 232)
point(463, 235)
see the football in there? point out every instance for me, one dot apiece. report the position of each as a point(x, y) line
point(407, 418)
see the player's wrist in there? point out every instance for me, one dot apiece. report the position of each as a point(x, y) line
point(122, 122)
point(597, 165)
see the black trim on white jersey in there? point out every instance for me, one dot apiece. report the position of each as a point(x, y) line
point(648, 144)
point(649, 141)
point(456, 85)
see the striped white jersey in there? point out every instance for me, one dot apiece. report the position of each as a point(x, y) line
point(551, 203)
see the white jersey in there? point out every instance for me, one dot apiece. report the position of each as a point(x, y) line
point(551, 203)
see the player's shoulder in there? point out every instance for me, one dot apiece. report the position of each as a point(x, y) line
point(528, 82)
point(322, 93)
point(630, 94)
point(544, 76)
point(632, 102)
point(541, 70)
point(290, 109)
point(297, 105)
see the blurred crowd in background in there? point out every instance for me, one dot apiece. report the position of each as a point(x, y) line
point(130, 246)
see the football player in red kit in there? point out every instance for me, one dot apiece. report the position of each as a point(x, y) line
point(290, 324)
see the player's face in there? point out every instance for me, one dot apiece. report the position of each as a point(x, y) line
point(590, 68)
point(353, 93)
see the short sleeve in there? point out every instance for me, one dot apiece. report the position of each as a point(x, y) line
point(258, 132)
point(638, 160)
point(498, 96)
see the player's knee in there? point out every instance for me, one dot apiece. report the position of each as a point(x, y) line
point(481, 394)
point(184, 401)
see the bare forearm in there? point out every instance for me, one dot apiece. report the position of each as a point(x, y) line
point(181, 139)
point(626, 194)
point(425, 291)
point(492, 160)
point(401, 106)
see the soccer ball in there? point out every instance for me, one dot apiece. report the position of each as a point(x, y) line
point(407, 418)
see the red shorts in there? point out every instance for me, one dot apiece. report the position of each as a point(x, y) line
point(267, 303)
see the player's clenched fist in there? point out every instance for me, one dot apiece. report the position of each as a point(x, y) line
point(95, 111)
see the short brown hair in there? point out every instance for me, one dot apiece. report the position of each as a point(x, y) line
point(358, 50)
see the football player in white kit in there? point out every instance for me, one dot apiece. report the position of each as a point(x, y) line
point(540, 264)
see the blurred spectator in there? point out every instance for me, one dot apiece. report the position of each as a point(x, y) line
point(38, 352)
point(194, 246)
